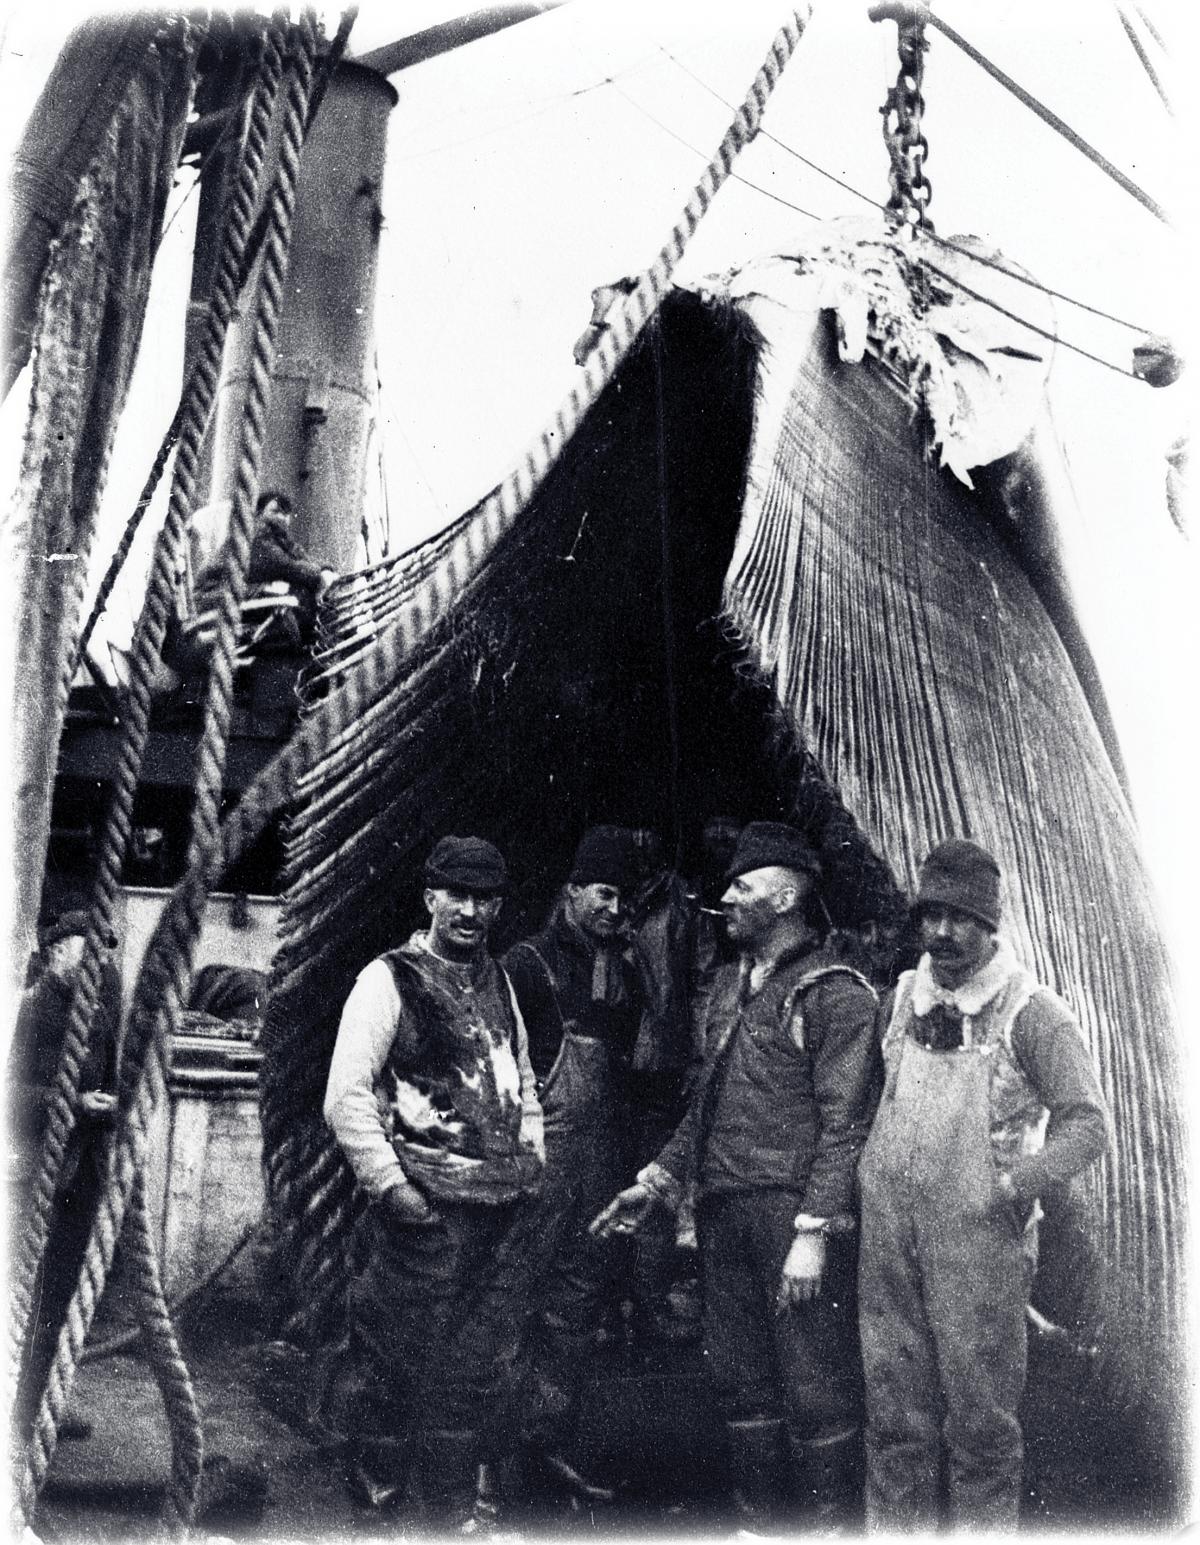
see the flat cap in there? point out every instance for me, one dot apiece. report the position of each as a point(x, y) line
point(764, 844)
point(466, 863)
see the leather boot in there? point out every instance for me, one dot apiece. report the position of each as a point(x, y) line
point(757, 1468)
point(827, 1482)
point(449, 1477)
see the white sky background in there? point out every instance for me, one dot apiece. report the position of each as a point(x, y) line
point(517, 180)
point(530, 166)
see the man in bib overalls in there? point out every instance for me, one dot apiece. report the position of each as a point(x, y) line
point(989, 1098)
point(580, 995)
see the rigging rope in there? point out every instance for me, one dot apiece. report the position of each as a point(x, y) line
point(329, 63)
point(905, 12)
point(162, 980)
point(146, 650)
point(942, 241)
point(300, 1180)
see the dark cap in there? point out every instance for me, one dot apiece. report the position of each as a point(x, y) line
point(764, 844)
point(962, 875)
point(606, 855)
point(467, 864)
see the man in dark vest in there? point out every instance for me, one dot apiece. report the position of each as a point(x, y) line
point(578, 988)
point(431, 1096)
point(990, 1098)
point(772, 1134)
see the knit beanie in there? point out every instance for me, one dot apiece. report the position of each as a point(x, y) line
point(606, 855)
point(962, 875)
point(466, 863)
point(765, 844)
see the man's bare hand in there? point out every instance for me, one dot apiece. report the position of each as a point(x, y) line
point(96, 1104)
point(802, 1270)
point(408, 1207)
point(625, 1214)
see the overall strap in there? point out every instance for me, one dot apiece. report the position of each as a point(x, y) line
point(551, 980)
point(795, 1016)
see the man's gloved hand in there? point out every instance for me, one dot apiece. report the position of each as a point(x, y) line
point(406, 1206)
point(625, 1214)
point(802, 1270)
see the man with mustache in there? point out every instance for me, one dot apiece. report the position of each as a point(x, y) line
point(772, 1133)
point(989, 1098)
point(431, 1096)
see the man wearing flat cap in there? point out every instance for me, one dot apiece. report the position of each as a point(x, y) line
point(989, 1097)
point(771, 1137)
point(579, 991)
point(432, 1098)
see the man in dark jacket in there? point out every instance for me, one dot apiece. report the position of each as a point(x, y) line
point(275, 554)
point(579, 993)
point(431, 1097)
point(772, 1135)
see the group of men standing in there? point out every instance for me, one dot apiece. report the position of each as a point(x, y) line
point(864, 1177)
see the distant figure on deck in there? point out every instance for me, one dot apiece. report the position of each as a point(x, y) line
point(431, 1097)
point(977, 1055)
point(275, 554)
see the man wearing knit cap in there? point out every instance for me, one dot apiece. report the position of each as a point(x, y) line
point(771, 1136)
point(579, 992)
point(990, 1096)
point(432, 1098)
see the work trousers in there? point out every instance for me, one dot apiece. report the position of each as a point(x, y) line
point(576, 1275)
point(799, 1364)
point(437, 1315)
point(944, 1283)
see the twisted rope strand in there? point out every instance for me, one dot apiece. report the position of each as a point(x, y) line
point(121, 554)
point(454, 580)
point(163, 977)
point(170, 1370)
point(146, 650)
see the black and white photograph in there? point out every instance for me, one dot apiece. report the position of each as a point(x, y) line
point(600, 631)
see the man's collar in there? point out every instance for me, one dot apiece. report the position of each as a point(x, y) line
point(971, 996)
point(794, 951)
point(468, 969)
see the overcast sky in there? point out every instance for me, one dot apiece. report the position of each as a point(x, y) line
point(529, 167)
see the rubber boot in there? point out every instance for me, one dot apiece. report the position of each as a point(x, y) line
point(827, 1482)
point(376, 1471)
point(449, 1475)
point(758, 1468)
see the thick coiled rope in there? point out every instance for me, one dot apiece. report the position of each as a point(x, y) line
point(300, 1181)
point(146, 651)
point(158, 466)
point(166, 1359)
point(163, 978)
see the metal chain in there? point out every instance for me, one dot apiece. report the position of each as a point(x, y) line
point(906, 144)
